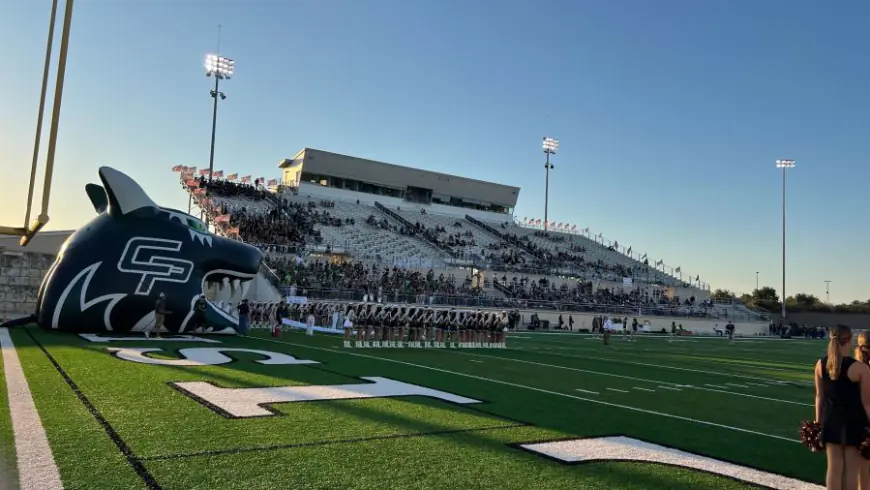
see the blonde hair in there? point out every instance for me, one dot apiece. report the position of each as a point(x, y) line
point(840, 335)
point(863, 341)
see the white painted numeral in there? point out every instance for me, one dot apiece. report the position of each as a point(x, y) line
point(628, 449)
point(249, 402)
point(201, 356)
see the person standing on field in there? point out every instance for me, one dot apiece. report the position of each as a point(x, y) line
point(160, 313)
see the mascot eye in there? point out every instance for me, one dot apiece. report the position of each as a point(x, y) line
point(196, 225)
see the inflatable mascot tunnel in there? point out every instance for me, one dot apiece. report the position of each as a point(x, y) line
point(109, 273)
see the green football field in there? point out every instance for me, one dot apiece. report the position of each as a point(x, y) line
point(550, 411)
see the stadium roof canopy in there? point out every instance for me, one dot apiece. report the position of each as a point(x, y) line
point(318, 163)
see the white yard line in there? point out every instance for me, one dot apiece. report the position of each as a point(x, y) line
point(586, 391)
point(670, 388)
point(736, 385)
point(540, 390)
point(37, 469)
point(643, 389)
point(661, 366)
point(715, 386)
point(618, 391)
point(674, 386)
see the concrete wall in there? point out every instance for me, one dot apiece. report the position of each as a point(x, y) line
point(21, 274)
point(857, 321)
point(696, 325)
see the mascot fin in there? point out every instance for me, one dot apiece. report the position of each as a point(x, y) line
point(125, 195)
point(98, 198)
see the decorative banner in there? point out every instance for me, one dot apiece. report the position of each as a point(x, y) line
point(192, 183)
point(224, 218)
point(218, 174)
point(232, 177)
point(272, 182)
point(246, 179)
point(203, 172)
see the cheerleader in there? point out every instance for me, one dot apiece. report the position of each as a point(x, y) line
point(440, 328)
point(842, 408)
point(429, 335)
point(862, 354)
point(361, 326)
point(348, 324)
point(453, 329)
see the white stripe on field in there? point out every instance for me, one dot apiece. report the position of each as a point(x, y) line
point(586, 391)
point(539, 390)
point(614, 389)
point(644, 389)
point(669, 388)
point(736, 385)
point(36, 467)
point(674, 385)
point(646, 364)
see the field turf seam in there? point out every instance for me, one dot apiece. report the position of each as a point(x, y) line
point(134, 461)
point(219, 452)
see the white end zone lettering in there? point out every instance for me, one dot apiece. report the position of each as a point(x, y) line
point(622, 448)
point(201, 356)
point(250, 402)
point(92, 337)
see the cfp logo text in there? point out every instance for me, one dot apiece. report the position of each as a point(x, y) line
point(154, 259)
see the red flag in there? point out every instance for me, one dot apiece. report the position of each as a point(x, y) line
point(193, 183)
point(203, 172)
point(177, 168)
point(246, 178)
point(232, 177)
point(218, 174)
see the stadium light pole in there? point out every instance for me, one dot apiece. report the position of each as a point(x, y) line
point(784, 165)
point(220, 68)
point(550, 146)
point(756, 280)
point(828, 292)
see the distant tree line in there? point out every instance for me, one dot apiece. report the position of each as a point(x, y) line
point(766, 299)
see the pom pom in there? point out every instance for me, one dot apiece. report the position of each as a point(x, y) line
point(811, 436)
point(864, 447)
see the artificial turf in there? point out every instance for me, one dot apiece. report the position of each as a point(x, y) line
point(114, 423)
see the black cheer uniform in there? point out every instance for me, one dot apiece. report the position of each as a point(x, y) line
point(844, 420)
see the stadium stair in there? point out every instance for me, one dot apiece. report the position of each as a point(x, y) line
point(401, 219)
point(490, 229)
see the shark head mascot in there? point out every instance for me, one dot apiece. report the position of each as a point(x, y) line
point(110, 272)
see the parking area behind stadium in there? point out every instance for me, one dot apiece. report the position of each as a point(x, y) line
point(551, 411)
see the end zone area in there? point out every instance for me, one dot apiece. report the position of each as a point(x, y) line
point(300, 412)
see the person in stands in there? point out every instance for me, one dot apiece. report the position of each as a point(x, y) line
point(842, 409)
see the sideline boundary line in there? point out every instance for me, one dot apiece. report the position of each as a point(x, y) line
point(37, 469)
point(135, 463)
point(539, 390)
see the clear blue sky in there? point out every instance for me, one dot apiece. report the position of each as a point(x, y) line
point(670, 112)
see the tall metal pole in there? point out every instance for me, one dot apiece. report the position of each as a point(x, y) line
point(215, 95)
point(756, 280)
point(546, 190)
point(783, 312)
point(828, 292)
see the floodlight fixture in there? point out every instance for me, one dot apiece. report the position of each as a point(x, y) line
point(219, 66)
point(550, 145)
point(787, 163)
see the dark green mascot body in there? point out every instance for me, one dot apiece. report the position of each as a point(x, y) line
point(109, 273)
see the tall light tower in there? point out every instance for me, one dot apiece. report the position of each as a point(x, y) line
point(784, 165)
point(828, 292)
point(756, 280)
point(550, 147)
point(221, 69)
